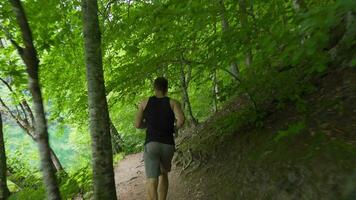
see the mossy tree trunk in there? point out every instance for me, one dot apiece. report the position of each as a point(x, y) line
point(103, 172)
point(29, 56)
point(4, 191)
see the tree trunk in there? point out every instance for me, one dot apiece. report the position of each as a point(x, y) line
point(116, 140)
point(4, 191)
point(244, 25)
point(56, 164)
point(29, 56)
point(55, 161)
point(215, 91)
point(186, 95)
point(234, 69)
point(103, 172)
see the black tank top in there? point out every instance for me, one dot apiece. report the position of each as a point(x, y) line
point(159, 119)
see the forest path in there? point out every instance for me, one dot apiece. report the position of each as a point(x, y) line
point(130, 180)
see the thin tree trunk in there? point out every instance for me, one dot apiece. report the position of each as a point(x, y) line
point(116, 140)
point(234, 69)
point(215, 92)
point(4, 191)
point(55, 161)
point(244, 25)
point(29, 56)
point(187, 81)
point(186, 95)
point(56, 164)
point(103, 172)
point(215, 89)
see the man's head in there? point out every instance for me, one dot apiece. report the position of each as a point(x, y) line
point(161, 84)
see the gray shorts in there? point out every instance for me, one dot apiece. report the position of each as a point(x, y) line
point(158, 158)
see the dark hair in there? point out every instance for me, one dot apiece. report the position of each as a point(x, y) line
point(161, 84)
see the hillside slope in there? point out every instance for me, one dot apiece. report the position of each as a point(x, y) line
point(305, 151)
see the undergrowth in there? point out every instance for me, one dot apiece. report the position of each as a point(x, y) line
point(281, 77)
point(77, 184)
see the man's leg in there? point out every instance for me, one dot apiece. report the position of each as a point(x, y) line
point(167, 152)
point(163, 186)
point(152, 169)
point(151, 185)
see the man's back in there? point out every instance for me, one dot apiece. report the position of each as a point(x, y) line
point(159, 118)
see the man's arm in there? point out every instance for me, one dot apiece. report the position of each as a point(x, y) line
point(139, 116)
point(178, 113)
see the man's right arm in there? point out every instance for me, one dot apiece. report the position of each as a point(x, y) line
point(139, 121)
point(178, 113)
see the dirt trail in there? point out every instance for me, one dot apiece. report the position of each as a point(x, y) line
point(130, 180)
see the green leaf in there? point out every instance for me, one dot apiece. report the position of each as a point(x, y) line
point(293, 129)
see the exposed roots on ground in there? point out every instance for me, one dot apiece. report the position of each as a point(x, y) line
point(187, 164)
point(189, 161)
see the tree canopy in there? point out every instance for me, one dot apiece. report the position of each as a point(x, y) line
point(210, 51)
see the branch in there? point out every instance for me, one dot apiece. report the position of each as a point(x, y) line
point(18, 47)
point(7, 85)
point(20, 104)
point(186, 61)
point(233, 75)
point(13, 42)
point(8, 110)
point(29, 111)
point(189, 74)
point(12, 91)
point(108, 6)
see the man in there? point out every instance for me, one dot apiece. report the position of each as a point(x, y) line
point(161, 115)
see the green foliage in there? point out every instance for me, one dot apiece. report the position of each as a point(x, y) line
point(287, 46)
point(353, 62)
point(78, 183)
point(145, 39)
point(234, 121)
point(118, 157)
point(220, 127)
point(350, 191)
point(292, 130)
point(21, 169)
point(22, 160)
point(12, 186)
point(29, 194)
point(122, 116)
point(25, 178)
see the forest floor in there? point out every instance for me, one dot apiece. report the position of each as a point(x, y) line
point(130, 180)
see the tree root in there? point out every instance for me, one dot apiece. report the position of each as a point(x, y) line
point(190, 161)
